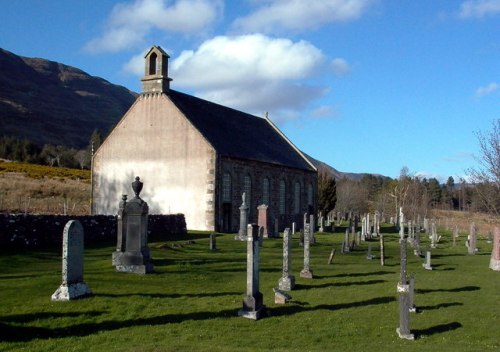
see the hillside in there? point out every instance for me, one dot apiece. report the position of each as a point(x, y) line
point(50, 103)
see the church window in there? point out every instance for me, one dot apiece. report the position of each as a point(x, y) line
point(226, 188)
point(282, 197)
point(310, 194)
point(296, 199)
point(247, 188)
point(265, 191)
point(152, 64)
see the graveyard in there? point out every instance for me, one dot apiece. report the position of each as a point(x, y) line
point(192, 298)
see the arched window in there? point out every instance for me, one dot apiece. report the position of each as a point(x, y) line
point(282, 197)
point(310, 194)
point(152, 64)
point(296, 198)
point(226, 187)
point(265, 191)
point(247, 188)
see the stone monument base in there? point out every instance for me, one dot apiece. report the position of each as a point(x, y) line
point(71, 291)
point(495, 264)
point(405, 336)
point(307, 274)
point(253, 308)
point(287, 283)
point(136, 269)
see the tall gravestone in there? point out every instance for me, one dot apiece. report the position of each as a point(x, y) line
point(132, 252)
point(72, 286)
point(287, 281)
point(253, 306)
point(382, 250)
point(495, 253)
point(242, 233)
point(306, 272)
point(472, 242)
point(404, 295)
point(263, 220)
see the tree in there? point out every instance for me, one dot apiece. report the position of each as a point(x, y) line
point(487, 176)
point(327, 192)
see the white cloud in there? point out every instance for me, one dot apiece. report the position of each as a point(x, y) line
point(322, 112)
point(253, 73)
point(490, 88)
point(299, 14)
point(130, 23)
point(478, 8)
point(340, 66)
point(135, 65)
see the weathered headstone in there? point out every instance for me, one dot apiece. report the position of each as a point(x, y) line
point(427, 264)
point(306, 272)
point(242, 233)
point(472, 242)
point(287, 281)
point(134, 226)
point(433, 235)
point(72, 286)
point(382, 250)
point(413, 307)
point(403, 290)
point(280, 297)
point(253, 306)
point(330, 258)
point(346, 246)
point(312, 227)
point(495, 253)
point(213, 243)
point(263, 220)
point(294, 228)
point(369, 254)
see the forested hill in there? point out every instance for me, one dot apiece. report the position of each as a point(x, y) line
point(47, 102)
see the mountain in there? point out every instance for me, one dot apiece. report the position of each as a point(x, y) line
point(47, 102)
point(336, 174)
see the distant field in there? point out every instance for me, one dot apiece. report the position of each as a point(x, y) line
point(191, 301)
point(38, 189)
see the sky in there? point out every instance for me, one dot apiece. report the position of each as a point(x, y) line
point(362, 85)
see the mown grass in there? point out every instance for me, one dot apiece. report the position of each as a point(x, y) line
point(191, 301)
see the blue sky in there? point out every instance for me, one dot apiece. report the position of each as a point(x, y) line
point(363, 85)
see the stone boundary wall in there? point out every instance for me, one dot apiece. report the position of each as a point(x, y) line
point(32, 231)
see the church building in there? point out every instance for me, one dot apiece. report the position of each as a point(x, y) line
point(197, 158)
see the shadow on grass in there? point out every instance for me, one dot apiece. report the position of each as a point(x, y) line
point(24, 318)
point(362, 274)
point(22, 333)
point(163, 295)
point(292, 309)
point(457, 289)
point(441, 305)
point(338, 284)
point(438, 329)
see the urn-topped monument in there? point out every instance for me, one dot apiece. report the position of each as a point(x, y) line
point(132, 251)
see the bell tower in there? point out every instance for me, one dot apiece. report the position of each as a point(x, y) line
point(156, 78)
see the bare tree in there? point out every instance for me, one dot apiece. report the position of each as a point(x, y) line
point(487, 176)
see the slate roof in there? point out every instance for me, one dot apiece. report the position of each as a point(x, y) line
point(237, 134)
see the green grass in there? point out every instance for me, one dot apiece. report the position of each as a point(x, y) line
point(43, 171)
point(191, 301)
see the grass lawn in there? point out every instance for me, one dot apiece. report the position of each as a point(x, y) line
point(191, 301)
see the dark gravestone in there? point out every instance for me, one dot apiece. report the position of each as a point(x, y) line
point(133, 235)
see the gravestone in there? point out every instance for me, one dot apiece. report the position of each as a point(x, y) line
point(455, 235)
point(330, 258)
point(72, 286)
point(346, 247)
point(382, 250)
point(294, 228)
point(253, 306)
point(263, 220)
point(280, 297)
point(472, 242)
point(306, 272)
point(287, 281)
point(495, 253)
point(369, 254)
point(242, 233)
point(312, 227)
point(427, 264)
point(416, 243)
point(413, 307)
point(132, 252)
point(403, 290)
point(433, 235)
point(213, 242)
